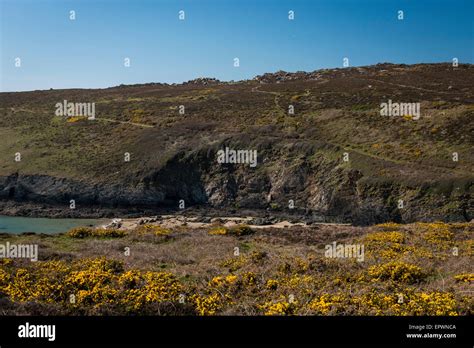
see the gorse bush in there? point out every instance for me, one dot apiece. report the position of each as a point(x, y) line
point(406, 302)
point(466, 278)
point(385, 244)
point(327, 303)
point(218, 231)
point(90, 284)
point(278, 308)
point(156, 230)
point(207, 305)
point(80, 232)
point(397, 271)
point(73, 119)
point(238, 230)
point(85, 232)
point(395, 279)
point(102, 285)
point(437, 233)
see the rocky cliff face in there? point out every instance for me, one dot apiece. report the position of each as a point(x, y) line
point(322, 192)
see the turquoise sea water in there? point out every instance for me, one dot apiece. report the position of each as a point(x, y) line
point(17, 224)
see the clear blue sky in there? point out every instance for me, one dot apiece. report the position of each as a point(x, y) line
point(89, 52)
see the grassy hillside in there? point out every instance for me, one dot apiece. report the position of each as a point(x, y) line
point(300, 156)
